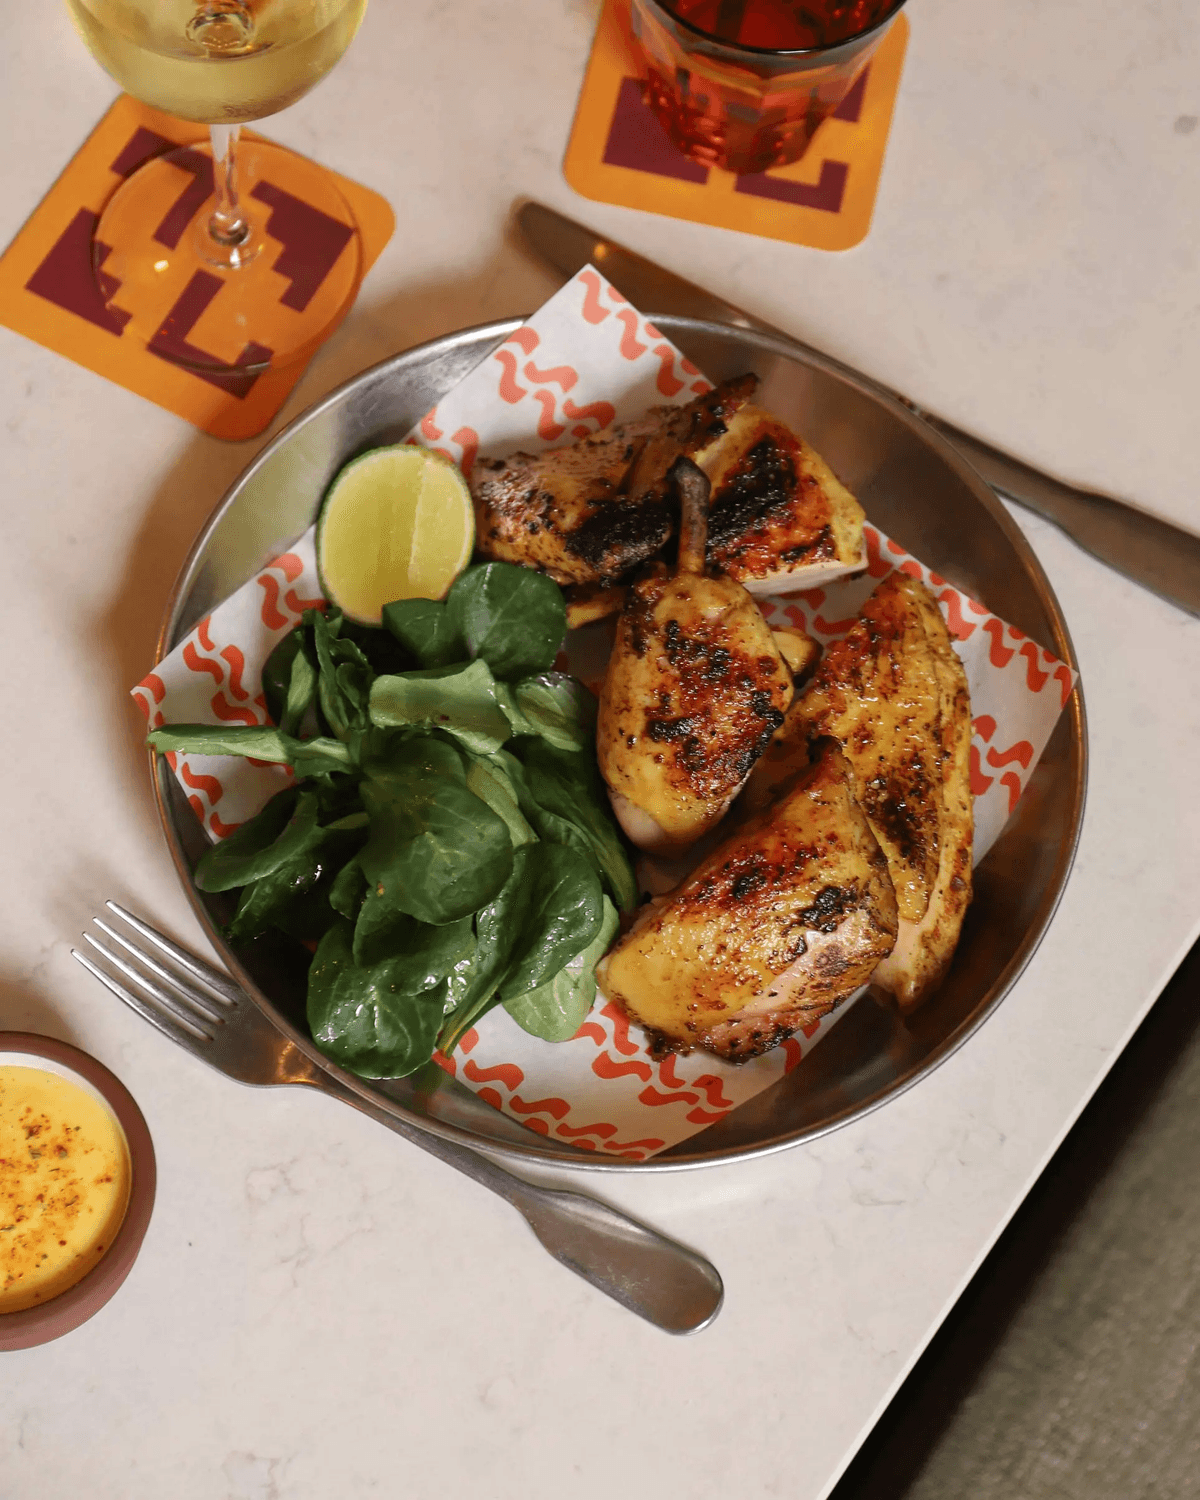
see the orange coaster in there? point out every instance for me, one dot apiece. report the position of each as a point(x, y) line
point(619, 153)
point(47, 290)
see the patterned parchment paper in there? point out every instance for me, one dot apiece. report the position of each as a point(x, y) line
point(586, 359)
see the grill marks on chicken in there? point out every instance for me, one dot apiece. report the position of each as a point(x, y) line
point(779, 516)
point(595, 510)
point(694, 690)
point(776, 927)
point(598, 508)
point(853, 856)
point(566, 512)
point(853, 864)
point(893, 693)
point(925, 947)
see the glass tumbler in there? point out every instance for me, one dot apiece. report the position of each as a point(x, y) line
point(738, 107)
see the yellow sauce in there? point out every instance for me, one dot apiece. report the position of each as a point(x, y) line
point(64, 1185)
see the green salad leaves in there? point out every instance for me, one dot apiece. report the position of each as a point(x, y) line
point(448, 846)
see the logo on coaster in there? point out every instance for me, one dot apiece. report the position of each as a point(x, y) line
point(50, 293)
point(619, 153)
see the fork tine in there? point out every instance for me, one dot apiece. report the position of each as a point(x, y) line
point(221, 983)
point(210, 1008)
point(179, 1030)
point(175, 1004)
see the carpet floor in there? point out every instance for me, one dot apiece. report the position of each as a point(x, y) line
point(1070, 1368)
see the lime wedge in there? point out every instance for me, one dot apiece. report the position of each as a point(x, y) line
point(397, 523)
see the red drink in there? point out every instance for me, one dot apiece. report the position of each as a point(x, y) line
point(744, 84)
point(781, 25)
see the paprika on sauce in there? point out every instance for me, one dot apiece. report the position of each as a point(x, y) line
point(64, 1184)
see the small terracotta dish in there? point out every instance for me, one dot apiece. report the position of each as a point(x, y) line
point(26, 1326)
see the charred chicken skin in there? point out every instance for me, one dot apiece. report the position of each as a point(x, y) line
point(779, 518)
point(894, 695)
point(591, 512)
point(780, 923)
point(694, 689)
point(596, 509)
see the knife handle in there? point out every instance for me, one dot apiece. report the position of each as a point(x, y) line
point(1153, 553)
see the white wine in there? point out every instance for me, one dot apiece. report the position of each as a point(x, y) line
point(217, 61)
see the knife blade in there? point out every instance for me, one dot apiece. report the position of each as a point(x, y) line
point(1153, 553)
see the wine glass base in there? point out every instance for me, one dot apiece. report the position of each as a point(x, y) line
point(229, 312)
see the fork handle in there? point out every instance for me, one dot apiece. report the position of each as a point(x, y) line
point(651, 1275)
point(659, 1279)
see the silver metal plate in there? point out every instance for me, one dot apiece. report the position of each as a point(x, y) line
point(916, 487)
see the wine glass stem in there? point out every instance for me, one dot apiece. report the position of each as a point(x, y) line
point(227, 225)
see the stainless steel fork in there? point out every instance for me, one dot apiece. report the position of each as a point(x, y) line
point(211, 1017)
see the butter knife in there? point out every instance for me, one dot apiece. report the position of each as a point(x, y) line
point(1152, 552)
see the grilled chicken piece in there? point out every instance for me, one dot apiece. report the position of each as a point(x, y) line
point(799, 650)
point(588, 602)
point(779, 518)
point(776, 927)
point(786, 755)
point(894, 695)
point(694, 689)
point(595, 509)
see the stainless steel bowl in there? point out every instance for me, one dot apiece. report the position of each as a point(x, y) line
point(914, 485)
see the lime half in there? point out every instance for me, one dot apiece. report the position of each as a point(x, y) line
point(397, 523)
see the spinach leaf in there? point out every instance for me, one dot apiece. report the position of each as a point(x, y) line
point(345, 678)
point(459, 982)
point(363, 1018)
point(513, 617)
point(425, 628)
point(294, 896)
point(317, 756)
point(334, 710)
point(348, 889)
point(550, 910)
point(556, 910)
point(423, 955)
point(438, 851)
point(472, 987)
point(383, 651)
point(294, 900)
point(488, 778)
point(565, 801)
point(511, 709)
point(353, 822)
point(555, 1010)
point(258, 741)
point(261, 845)
point(301, 693)
point(549, 826)
point(460, 700)
point(557, 707)
point(372, 745)
point(277, 672)
point(289, 679)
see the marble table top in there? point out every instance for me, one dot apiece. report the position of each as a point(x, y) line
point(321, 1310)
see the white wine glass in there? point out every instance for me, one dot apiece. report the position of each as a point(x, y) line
point(229, 257)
